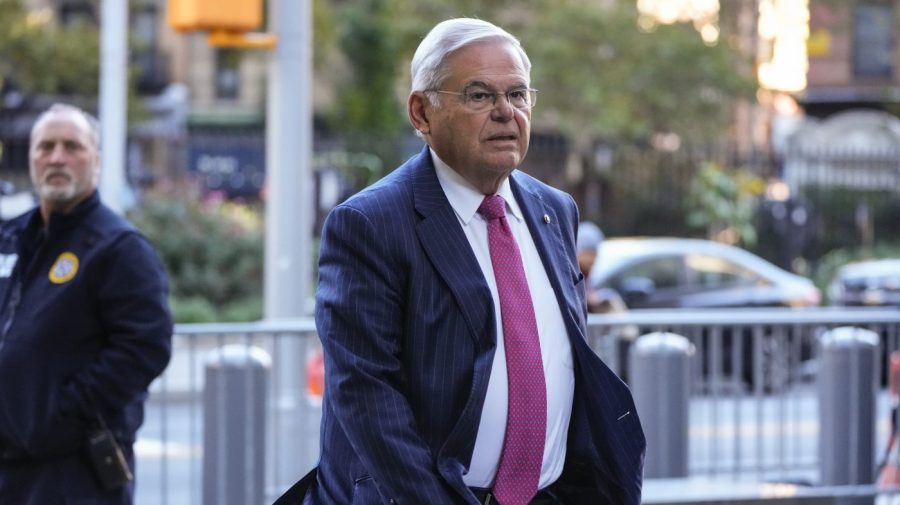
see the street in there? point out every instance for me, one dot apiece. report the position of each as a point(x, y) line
point(736, 438)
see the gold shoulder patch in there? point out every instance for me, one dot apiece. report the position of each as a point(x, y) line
point(64, 268)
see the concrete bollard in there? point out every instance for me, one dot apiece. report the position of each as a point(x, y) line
point(234, 407)
point(847, 388)
point(659, 375)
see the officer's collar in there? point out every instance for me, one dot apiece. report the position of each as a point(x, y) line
point(62, 221)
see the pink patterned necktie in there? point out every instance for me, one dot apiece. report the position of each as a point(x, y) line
point(523, 448)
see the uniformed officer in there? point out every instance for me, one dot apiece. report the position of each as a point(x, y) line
point(84, 328)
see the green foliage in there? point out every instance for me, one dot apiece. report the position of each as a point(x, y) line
point(599, 74)
point(369, 101)
point(41, 57)
point(324, 28)
point(213, 253)
point(192, 310)
point(723, 202)
point(249, 309)
point(603, 76)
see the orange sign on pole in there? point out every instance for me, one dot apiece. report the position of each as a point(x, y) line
point(229, 23)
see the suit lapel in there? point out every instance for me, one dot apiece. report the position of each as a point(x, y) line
point(544, 224)
point(447, 247)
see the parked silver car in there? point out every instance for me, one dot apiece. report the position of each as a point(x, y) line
point(866, 283)
point(650, 272)
point(691, 273)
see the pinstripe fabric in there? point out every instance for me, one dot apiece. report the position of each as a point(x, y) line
point(406, 320)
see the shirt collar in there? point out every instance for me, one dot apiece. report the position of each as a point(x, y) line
point(463, 196)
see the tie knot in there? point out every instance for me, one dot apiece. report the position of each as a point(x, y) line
point(492, 207)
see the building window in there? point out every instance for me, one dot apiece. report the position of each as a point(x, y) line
point(227, 74)
point(75, 11)
point(144, 22)
point(150, 62)
point(873, 41)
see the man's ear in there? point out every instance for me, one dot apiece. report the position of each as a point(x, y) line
point(418, 108)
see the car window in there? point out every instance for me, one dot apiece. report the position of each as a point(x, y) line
point(664, 272)
point(714, 272)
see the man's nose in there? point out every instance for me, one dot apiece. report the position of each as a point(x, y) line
point(58, 154)
point(503, 109)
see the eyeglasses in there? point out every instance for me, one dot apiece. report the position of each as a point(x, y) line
point(479, 99)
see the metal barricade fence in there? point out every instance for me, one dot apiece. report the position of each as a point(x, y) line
point(753, 406)
point(170, 446)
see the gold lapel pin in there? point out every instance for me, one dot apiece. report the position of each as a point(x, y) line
point(546, 219)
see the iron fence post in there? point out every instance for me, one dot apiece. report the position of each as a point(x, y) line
point(659, 375)
point(234, 406)
point(847, 388)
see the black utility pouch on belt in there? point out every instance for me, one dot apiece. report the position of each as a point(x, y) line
point(108, 460)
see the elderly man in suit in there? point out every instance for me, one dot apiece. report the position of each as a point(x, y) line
point(452, 312)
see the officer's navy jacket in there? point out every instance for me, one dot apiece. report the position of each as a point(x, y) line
point(84, 329)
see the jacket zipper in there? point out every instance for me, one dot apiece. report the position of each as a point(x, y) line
point(14, 299)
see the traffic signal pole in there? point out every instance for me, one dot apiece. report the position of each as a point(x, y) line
point(287, 286)
point(288, 190)
point(289, 196)
point(113, 102)
point(288, 246)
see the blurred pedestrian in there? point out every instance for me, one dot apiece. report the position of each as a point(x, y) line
point(604, 300)
point(452, 315)
point(84, 328)
point(599, 300)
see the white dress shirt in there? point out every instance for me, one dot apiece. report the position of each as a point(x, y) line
point(556, 351)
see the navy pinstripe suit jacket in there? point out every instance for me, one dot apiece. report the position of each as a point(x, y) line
point(406, 320)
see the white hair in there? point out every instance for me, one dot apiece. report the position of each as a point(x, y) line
point(428, 67)
point(93, 126)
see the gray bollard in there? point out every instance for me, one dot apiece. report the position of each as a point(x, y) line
point(234, 407)
point(847, 388)
point(659, 375)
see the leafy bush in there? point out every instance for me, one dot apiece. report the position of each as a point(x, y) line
point(723, 202)
point(213, 252)
point(192, 310)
